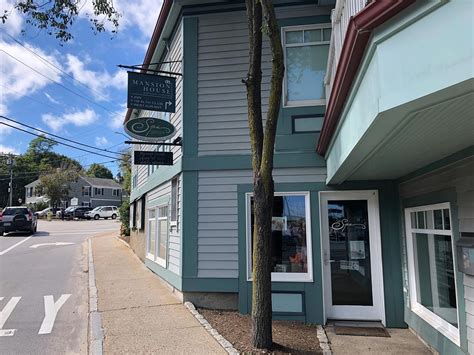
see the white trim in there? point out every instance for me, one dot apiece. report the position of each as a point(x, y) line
point(435, 321)
point(283, 276)
point(377, 310)
point(155, 258)
point(284, 30)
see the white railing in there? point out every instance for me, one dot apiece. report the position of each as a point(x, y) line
point(340, 17)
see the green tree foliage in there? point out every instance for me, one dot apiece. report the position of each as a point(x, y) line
point(126, 170)
point(124, 211)
point(99, 171)
point(39, 158)
point(56, 185)
point(58, 16)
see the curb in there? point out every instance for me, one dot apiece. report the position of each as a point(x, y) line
point(215, 334)
point(323, 341)
point(96, 334)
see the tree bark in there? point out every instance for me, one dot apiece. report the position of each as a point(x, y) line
point(262, 144)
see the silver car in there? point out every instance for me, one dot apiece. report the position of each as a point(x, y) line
point(17, 219)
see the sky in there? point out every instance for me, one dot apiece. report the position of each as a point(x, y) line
point(84, 97)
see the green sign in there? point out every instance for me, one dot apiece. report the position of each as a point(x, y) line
point(151, 92)
point(149, 129)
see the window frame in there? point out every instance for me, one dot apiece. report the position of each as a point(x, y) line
point(173, 223)
point(154, 257)
point(282, 276)
point(284, 30)
point(444, 327)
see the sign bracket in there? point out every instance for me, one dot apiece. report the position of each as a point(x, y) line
point(178, 142)
point(135, 67)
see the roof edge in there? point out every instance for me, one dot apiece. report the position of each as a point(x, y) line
point(359, 30)
point(160, 24)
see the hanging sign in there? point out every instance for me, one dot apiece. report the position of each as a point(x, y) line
point(152, 158)
point(151, 92)
point(150, 129)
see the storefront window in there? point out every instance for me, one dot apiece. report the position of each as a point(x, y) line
point(431, 267)
point(291, 252)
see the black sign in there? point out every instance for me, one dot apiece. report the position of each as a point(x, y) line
point(151, 92)
point(152, 158)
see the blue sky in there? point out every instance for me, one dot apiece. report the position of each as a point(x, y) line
point(90, 59)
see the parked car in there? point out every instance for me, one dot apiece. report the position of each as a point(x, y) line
point(44, 213)
point(105, 212)
point(62, 210)
point(76, 212)
point(17, 219)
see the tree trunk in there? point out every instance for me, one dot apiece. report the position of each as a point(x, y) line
point(262, 144)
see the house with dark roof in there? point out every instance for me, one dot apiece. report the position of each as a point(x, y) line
point(373, 212)
point(90, 192)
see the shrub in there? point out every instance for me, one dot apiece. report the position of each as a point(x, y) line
point(124, 211)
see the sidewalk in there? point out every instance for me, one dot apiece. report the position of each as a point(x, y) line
point(139, 314)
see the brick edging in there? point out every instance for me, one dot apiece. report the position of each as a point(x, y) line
point(215, 334)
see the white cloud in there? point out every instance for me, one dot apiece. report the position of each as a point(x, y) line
point(138, 13)
point(97, 81)
point(116, 119)
point(14, 21)
point(7, 150)
point(101, 141)
point(77, 118)
point(51, 99)
point(17, 80)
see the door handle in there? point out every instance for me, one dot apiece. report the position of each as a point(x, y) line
point(327, 261)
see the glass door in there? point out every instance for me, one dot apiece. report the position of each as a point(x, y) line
point(352, 255)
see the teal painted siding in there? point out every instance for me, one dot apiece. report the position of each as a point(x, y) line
point(314, 302)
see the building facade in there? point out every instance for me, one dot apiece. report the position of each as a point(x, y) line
point(366, 227)
point(90, 192)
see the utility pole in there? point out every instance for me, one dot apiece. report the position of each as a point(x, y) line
point(10, 186)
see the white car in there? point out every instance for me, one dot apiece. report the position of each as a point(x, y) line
point(102, 212)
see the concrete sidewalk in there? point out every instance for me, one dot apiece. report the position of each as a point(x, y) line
point(139, 313)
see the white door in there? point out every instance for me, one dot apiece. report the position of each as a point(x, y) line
point(352, 256)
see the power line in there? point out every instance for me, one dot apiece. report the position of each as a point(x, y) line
point(52, 140)
point(59, 69)
point(59, 137)
point(59, 84)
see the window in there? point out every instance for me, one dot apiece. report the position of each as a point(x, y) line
point(306, 51)
point(432, 275)
point(174, 200)
point(115, 192)
point(291, 237)
point(86, 190)
point(86, 204)
point(157, 235)
point(307, 124)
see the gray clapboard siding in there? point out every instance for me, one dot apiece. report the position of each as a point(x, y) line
point(222, 63)
point(218, 215)
point(174, 241)
point(175, 54)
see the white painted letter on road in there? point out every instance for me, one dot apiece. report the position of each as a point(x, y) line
point(50, 311)
point(5, 314)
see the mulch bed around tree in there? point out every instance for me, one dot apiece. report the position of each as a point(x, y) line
point(288, 337)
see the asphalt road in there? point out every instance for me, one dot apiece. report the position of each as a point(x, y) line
point(44, 288)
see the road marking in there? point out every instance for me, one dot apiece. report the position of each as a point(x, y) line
point(51, 309)
point(5, 314)
point(34, 246)
point(7, 332)
point(14, 245)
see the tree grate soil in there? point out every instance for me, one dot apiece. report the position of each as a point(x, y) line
point(289, 337)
